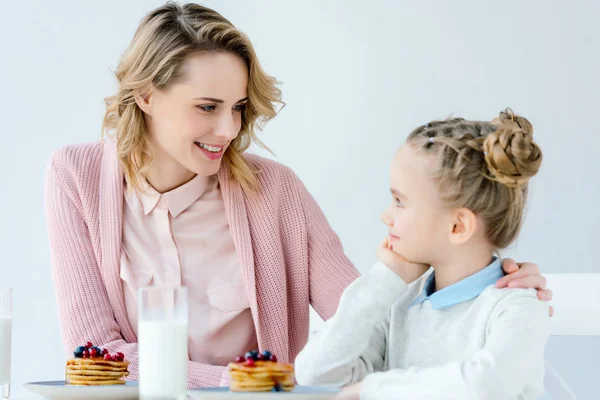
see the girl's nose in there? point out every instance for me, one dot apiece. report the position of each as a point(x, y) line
point(387, 219)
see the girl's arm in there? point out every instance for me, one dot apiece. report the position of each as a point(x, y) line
point(352, 343)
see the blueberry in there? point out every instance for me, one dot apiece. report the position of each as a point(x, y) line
point(252, 354)
point(78, 353)
point(266, 354)
point(98, 349)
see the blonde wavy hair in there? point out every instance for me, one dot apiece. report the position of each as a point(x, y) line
point(165, 38)
point(484, 167)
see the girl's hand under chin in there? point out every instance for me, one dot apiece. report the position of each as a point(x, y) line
point(408, 271)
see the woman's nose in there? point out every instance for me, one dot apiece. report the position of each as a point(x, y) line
point(227, 127)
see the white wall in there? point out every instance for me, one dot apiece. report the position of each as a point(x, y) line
point(357, 77)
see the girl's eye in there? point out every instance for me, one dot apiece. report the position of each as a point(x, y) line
point(208, 108)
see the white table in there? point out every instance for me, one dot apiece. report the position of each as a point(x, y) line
point(20, 393)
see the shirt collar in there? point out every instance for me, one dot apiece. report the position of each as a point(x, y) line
point(177, 200)
point(463, 290)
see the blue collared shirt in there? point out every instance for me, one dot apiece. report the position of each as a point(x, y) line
point(463, 290)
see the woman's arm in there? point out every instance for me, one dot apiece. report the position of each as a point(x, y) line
point(330, 270)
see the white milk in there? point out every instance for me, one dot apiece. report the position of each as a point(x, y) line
point(163, 358)
point(5, 338)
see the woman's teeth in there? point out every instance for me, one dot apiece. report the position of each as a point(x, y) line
point(212, 149)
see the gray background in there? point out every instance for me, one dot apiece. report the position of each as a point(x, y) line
point(357, 77)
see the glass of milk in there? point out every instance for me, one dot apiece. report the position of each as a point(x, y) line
point(163, 342)
point(5, 340)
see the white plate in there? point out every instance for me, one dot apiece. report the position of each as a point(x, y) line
point(299, 393)
point(57, 390)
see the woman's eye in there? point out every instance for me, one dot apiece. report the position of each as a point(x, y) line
point(208, 108)
point(239, 108)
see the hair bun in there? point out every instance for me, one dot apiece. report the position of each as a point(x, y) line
point(510, 152)
point(508, 117)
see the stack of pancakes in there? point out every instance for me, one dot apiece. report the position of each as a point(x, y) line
point(95, 372)
point(264, 376)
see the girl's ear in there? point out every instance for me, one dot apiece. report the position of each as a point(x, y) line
point(464, 225)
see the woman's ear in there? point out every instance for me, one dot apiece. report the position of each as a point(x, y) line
point(464, 225)
point(144, 101)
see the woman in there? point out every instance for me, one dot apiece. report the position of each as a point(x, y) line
point(171, 199)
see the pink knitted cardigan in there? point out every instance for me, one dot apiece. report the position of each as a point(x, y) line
point(289, 254)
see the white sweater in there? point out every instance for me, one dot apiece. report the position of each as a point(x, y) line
point(488, 347)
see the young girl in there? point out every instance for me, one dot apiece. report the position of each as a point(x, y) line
point(459, 189)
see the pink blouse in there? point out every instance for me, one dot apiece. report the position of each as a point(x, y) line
point(182, 238)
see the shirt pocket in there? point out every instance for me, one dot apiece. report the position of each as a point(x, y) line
point(226, 303)
point(133, 275)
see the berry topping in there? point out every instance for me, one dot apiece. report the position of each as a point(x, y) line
point(259, 357)
point(248, 355)
point(250, 362)
point(104, 352)
point(107, 357)
point(273, 358)
point(86, 354)
point(240, 359)
point(88, 345)
point(114, 358)
point(266, 354)
point(120, 356)
point(93, 352)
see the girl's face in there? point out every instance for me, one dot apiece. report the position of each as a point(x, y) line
point(192, 123)
point(418, 222)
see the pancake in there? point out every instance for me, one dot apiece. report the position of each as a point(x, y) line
point(98, 361)
point(118, 374)
point(91, 377)
point(92, 367)
point(76, 382)
point(260, 374)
